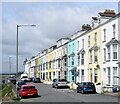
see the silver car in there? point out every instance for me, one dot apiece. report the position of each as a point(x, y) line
point(59, 83)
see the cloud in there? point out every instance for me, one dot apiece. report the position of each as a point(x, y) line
point(53, 21)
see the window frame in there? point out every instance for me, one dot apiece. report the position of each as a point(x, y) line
point(82, 59)
point(115, 54)
point(95, 75)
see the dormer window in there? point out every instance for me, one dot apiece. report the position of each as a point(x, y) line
point(104, 33)
point(95, 38)
point(82, 43)
point(114, 30)
point(88, 41)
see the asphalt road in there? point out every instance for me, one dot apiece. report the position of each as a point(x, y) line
point(49, 94)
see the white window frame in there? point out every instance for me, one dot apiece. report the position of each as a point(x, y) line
point(59, 74)
point(104, 54)
point(78, 59)
point(91, 74)
point(82, 43)
point(77, 45)
point(115, 74)
point(109, 75)
point(59, 64)
point(109, 53)
point(88, 40)
point(115, 52)
point(82, 59)
point(95, 38)
point(82, 74)
point(73, 46)
point(65, 74)
point(114, 30)
point(95, 75)
point(72, 61)
point(49, 75)
point(46, 75)
point(90, 56)
point(104, 33)
point(65, 61)
point(95, 55)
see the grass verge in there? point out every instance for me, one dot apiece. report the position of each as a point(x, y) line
point(6, 93)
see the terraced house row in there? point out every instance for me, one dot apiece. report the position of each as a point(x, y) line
point(91, 54)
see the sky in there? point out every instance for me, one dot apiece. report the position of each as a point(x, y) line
point(53, 20)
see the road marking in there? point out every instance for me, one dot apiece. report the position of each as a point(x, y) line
point(63, 90)
point(26, 100)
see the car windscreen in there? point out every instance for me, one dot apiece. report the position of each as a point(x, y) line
point(24, 77)
point(88, 84)
point(62, 80)
point(28, 87)
point(21, 83)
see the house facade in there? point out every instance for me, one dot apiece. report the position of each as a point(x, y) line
point(94, 55)
point(72, 59)
point(110, 51)
point(91, 54)
point(82, 66)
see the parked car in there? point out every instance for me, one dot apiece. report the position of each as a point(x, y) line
point(59, 83)
point(30, 79)
point(85, 87)
point(28, 90)
point(19, 84)
point(12, 79)
point(36, 80)
point(24, 77)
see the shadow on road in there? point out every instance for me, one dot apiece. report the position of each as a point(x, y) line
point(63, 88)
point(31, 97)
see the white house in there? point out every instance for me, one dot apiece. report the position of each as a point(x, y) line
point(82, 58)
point(110, 51)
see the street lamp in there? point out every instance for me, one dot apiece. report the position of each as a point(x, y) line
point(9, 66)
point(21, 25)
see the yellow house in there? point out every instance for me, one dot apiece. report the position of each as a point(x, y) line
point(32, 67)
point(94, 55)
point(38, 67)
point(49, 64)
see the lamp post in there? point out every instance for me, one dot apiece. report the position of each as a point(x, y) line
point(9, 66)
point(23, 25)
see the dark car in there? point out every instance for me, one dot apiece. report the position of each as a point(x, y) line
point(12, 79)
point(59, 83)
point(30, 79)
point(19, 84)
point(36, 80)
point(85, 87)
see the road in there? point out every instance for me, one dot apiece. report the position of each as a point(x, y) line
point(49, 94)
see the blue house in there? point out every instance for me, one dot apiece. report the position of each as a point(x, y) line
point(72, 60)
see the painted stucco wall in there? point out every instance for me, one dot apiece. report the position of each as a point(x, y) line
point(92, 65)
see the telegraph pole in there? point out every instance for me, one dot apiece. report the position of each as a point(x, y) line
point(9, 66)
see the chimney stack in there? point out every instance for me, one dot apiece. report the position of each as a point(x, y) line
point(86, 27)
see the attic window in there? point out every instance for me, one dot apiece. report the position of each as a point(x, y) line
point(114, 30)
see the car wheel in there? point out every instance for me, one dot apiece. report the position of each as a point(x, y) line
point(77, 90)
point(20, 96)
point(53, 86)
point(82, 91)
point(56, 86)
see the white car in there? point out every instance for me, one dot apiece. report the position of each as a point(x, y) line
point(24, 77)
point(59, 83)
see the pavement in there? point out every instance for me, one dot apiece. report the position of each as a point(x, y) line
point(115, 94)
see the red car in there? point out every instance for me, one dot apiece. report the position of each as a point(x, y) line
point(28, 90)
